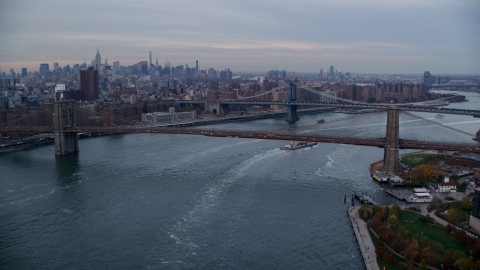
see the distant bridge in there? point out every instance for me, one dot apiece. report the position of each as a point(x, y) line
point(220, 106)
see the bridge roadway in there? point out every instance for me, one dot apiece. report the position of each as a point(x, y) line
point(474, 113)
point(258, 134)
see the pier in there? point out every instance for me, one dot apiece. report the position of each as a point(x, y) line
point(365, 243)
point(365, 199)
point(400, 194)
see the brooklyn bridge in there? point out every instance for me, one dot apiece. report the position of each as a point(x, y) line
point(392, 127)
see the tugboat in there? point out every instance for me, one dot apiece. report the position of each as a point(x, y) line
point(320, 121)
point(297, 145)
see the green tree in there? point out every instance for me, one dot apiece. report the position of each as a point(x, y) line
point(365, 211)
point(395, 210)
point(422, 266)
point(393, 221)
point(456, 215)
point(434, 204)
point(465, 263)
point(466, 204)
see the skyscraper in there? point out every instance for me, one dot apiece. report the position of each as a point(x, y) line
point(116, 65)
point(196, 65)
point(427, 79)
point(332, 71)
point(24, 72)
point(150, 63)
point(321, 73)
point(98, 60)
point(44, 69)
point(89, 84)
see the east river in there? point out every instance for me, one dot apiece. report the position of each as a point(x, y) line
point(152, 201)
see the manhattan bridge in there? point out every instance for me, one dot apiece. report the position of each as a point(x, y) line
point(388, 126)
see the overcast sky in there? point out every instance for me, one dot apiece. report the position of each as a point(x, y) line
point(361, 36)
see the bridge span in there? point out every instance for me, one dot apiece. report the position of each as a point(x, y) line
point(66, 130)
point(255, 134)
point(474, 113)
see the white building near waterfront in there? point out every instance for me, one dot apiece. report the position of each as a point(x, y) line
point(170, 117)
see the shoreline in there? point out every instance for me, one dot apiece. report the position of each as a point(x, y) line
point(365, 242)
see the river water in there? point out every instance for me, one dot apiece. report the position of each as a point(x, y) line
point(152, 201)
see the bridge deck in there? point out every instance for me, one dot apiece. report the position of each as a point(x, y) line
point(257, 134)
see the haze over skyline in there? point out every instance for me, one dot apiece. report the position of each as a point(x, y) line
point(370, 36)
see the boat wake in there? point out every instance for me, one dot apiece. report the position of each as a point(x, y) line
point(185, 230)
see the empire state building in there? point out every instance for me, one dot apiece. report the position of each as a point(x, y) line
point(98, 60)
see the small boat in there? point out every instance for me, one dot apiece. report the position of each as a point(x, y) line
point(297, 145)
point(439, 116)
point(320, 121)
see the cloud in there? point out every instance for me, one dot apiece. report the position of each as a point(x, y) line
point(302, 34)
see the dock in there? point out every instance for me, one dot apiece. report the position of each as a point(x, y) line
point(400, 194)
point(365, 243)
point(365, 199)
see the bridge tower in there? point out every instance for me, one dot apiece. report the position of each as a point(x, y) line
point(390, 156)
point(64, 116)
point(292, 109)
point(215, 107)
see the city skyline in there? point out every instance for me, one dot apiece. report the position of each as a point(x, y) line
point(402, 37)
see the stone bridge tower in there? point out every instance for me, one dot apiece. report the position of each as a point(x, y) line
point(292, 109)
point(390, 156)
point(64, 117)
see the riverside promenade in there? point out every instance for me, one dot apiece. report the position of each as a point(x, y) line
point(365, 243)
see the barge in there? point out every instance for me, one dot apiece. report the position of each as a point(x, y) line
point(297, 145)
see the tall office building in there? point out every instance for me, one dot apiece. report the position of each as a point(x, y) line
point(116, 65)
point(196, 65)
point(44, 69)
point(321, 74)
point(89, 84)
point(55, 66)
point(142, 68)
point(150, 54)
point(332, 71)
point(24, 72)
point(427, 79)
point(98, 60)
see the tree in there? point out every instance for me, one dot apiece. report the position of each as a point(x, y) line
point(426, 172)
point(393, 221)
point(466, 204)
point(395, 211)
point(434, 204)
point(465, 263)
point(422, 266)
point(456, 215)
point(365, 211)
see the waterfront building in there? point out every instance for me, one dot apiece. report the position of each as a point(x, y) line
point(172, 116)
point(447, 186)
